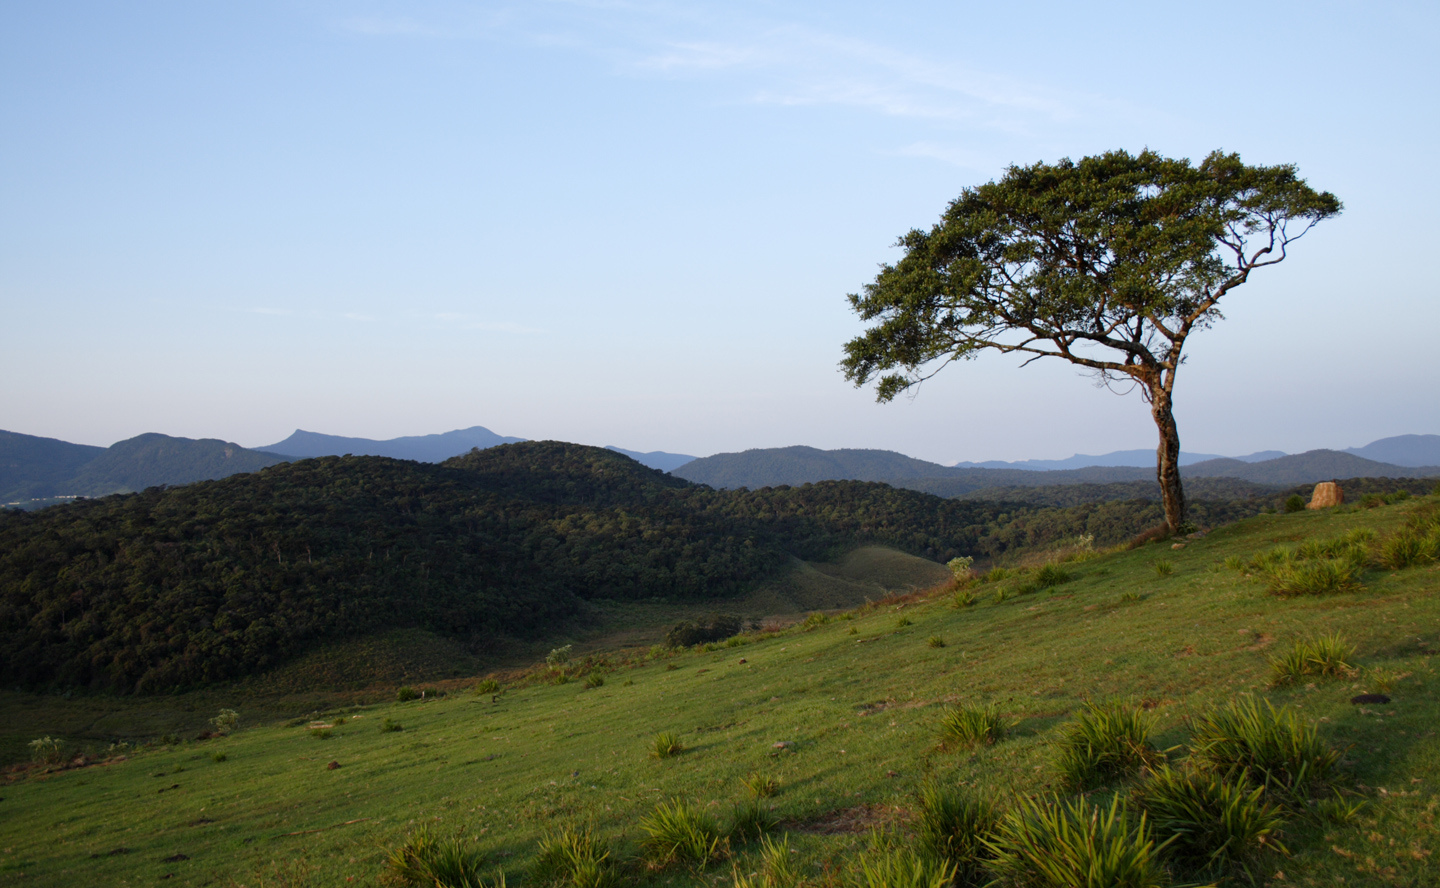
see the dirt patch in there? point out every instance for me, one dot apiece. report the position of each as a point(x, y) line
point(846, 821)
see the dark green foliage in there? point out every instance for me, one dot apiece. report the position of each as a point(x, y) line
point(1214, 826)
point(1327, 656)
point(952, 825)
point(715, 627)
point(678, 832)
point(1056, 843)
point(1294, 503)
point(389, 725)
point(751, 820)
point(1107, 742)
point(1271, 747)
point(406, 694)
point(574, 857)
point(425, 861)
point(972, 725)
point(1050, 575)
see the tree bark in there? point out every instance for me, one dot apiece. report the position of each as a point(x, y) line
point(1167, 458)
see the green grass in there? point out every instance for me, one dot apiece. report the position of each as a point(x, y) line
point(972, 725)
point(1106, 742)
point(1071, 843)
point(1212, 826)
point(859, 712)
point(1325, 657)
point(1273, 748)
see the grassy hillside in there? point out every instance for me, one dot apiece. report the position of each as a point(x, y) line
point(842, 712)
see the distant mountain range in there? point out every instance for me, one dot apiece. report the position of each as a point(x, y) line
point(34, 468)
point(800, 465)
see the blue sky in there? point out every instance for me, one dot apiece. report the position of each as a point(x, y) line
point(636, 223)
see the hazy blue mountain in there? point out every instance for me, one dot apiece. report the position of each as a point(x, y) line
point(424, 448)
point(1402, 450)
point(1138, 458)
point(32, 467)
point(655, 459)
point(1306, 468)
point(153, 459)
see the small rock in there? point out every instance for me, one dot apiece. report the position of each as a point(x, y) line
point(332, 766)
point(743, 660)
point(1369, 698)
point(1177, 545)
point(783, 744)
point(1327, 494)
point(892, 773)
point(1197, 535)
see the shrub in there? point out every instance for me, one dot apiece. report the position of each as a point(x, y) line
point(1294, 503)
point(406, 694)
point(425, 861)
point(972, 725)
point(1050, 843)
point(218, 757)
point(902, 622)
point(226, 721)
point(390, 725)
point(1211, 824)
point(676, 831)
point(761, 786)
point(935, 641)
point(714, 627)
point(1163, 568)
point(815, 618)
point(952, 826)
point(558, 657)
point(1272, 748)
point(751, 820)
point(1409, 547)
point(995, 575)
point(964, 597)
point(1107, 742)
point(901, 868)
point(594, 680)
point(321, 733)
point(960, 567)
point(1319, 577)
point(1050, 576)
point(574, 857)
point(1326, 656)
point(487, 686)
point(47, 750)
point(665, 744)
point(1371, 500)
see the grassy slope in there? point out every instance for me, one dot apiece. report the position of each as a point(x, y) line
point(860, 710)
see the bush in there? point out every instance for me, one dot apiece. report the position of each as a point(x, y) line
point(321, 733)
point(960, 567)
point(1211, 825)
point(1050, 843)
point(665, 745)
point(594, 680)
point(935, 641)
point(675, 831)
point(761, 786)
point(1409, 547)
point(964, 598)
point(47, 750)
point(487, 686)
point(390, 726)
point(427, 862)
point(715, 627)
point(952, 826)
point(901, 868)
point(972, 725)
point(1050, 576)
point(226, 721)
point(902, 622)
point(1107, 742)
point(1272, 748)
point(1294, 503)
point(406, 694)
point(751, 820)
point(574, 858)
point(1319, 577)
point(1326, 657)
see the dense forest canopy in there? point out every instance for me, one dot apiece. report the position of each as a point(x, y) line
point(176, 587)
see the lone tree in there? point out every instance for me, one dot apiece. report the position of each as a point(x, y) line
point(1110, 263)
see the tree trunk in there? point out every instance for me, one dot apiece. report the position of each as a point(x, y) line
point(1167, 458)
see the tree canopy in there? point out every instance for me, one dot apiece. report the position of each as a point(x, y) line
point(1109, 263)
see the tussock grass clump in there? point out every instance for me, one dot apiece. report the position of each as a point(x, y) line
point(1211, 825)
point(406, 694)
point(487, 686)
point(425, 861)
point(1054, 843)
point(1272, 747)
point(677, 832)
point(972, 725)
point(964, 598)
point(778, 867)
point(1410, 547)
point(1327, 656)
point(995, 575)
point(901, 868)
point(951, 826)
point(935, 641)
point(1350, 546)
point(751, 820)
point(574, 857)
point(389, 725)
point(1107, 742)
point(761, 786)
point(1163, 568)
point(1323, 576)
point(666, 744)
point(593, 681)
point(1051, 575)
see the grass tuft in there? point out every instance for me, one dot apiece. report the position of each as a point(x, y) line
point(901, 868)
point(1324, 657)
point(425, 861)
point(678, 832)
point(751, 820)
point(1212, 826)
point(1107, 742)
point(1054, 843)
point(1050, 576)
point(951, 826)
point(972, 725)
point(1321, 576)
point(574, 857)
point(666, 744)
point(935, 641)
point(1272, 747)
point(761, 786)
point(1163, 568)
